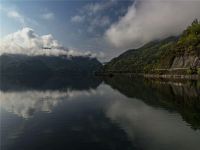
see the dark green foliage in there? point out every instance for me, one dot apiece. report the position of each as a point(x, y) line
point(140, 60)
point(192, 70)
point(158, 54)
point(187, 44)
point(189, 41)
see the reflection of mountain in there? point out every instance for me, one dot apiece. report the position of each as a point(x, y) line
point(22, 82)
point(183, 98)
point(25, 96)
point(100, 118)
point(77, 122)
point(150, 128)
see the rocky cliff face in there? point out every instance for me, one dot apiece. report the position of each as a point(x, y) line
point(186, 61)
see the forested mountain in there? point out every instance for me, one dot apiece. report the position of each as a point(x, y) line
point(47, 65)
point(173, 53)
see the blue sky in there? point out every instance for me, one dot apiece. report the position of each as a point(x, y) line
point(79, 24)
point(107, 26)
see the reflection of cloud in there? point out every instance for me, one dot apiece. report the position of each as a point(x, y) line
point(26, 103)
point(152, 127)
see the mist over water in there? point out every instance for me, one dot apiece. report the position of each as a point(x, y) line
point(88, 113)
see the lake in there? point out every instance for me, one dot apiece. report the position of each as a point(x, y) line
point(88, 113)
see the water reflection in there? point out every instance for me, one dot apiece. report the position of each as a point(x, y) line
point(182, 97)
point(26, 103)
point(153, 129)
point(25, 82)
point(76, 120)
point(83, 113)
point(25, 96)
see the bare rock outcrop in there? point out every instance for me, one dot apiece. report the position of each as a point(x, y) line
point(186, 61)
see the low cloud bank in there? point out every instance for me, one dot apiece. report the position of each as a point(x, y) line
point(148, 20)
point(27, 42)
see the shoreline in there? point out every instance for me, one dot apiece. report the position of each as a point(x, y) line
point(151, 76)
point(172, 76)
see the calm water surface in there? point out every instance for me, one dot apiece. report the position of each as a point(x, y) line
point(90, 114)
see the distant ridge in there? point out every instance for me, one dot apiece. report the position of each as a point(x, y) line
point(17, 64)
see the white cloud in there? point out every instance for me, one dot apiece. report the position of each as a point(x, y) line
point(93, 16)
point(48, 16)
point(27, 42)
point(94, 8)
point(77, 19)
point(100, 21)
point(148, 20)
point(15, 14)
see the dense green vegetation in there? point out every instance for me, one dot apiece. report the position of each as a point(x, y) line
point(189, 41)
point(187, 44)
point(139, 60)
point(158, 55)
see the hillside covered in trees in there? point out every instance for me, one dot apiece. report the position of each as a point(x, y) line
point(174, 54)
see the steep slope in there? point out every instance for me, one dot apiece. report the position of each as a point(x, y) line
point(185, 52)
point(139, 60)
point(173, 53)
